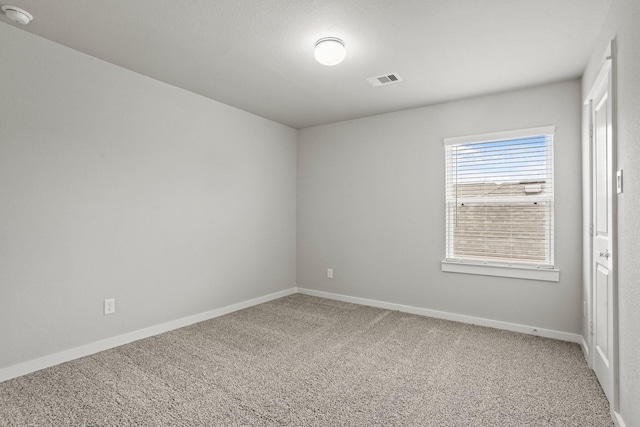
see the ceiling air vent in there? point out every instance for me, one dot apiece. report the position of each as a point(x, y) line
point(385, 79)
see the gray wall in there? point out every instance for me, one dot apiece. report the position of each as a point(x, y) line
point(371, 206)
point(116, 185)
point(622, 23)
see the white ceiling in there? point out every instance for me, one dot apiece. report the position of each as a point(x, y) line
point(257, 55)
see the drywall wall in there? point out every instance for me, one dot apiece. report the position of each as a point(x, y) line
point(116, 185)
point(371, 206)
point(622, 24)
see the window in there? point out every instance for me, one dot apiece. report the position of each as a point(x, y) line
point(499, 202)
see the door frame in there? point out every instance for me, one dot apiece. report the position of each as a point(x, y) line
point(609, 72)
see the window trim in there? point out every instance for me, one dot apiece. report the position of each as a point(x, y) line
point(503, 268)
point(516, 271)
point(499, 136)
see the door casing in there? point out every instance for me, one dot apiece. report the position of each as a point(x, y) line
point(609, 72)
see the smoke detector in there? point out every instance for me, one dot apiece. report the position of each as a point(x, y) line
point(385, 79)
point(16, 14)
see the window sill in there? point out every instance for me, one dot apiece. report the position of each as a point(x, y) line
point(518, 272)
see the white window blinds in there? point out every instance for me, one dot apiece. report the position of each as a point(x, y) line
point(499, 198)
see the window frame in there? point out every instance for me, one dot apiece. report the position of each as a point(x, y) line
point(505, 267)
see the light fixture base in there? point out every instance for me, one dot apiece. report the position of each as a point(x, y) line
point(17, 14)
point(329, 39)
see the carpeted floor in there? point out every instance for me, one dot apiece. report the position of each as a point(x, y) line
point(305, 361)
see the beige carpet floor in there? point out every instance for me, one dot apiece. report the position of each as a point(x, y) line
point(306, 361)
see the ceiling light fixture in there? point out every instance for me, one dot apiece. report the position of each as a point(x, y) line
point(16, 14)
point(330, 51)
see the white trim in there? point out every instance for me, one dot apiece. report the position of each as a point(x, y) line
point(519, 272)
point(514, 327)
point(499, 136)
point(614, 237)
point(617, 419)
point(512, 199)
point(600, 80)
point(95, 347)
point(590, 227)
point(585, 350)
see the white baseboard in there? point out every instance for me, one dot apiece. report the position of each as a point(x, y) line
point(585, 347)
point(88, 349)
point(617, 419)
point(531, 330)
point(92, 348)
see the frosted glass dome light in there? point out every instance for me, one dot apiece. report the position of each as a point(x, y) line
point(330, 51)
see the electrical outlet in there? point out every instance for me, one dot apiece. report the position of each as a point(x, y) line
point(110, 306)
point(330, 273)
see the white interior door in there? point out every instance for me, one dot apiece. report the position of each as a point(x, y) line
point(602, 273)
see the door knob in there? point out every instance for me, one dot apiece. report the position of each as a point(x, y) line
point(605, 254)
